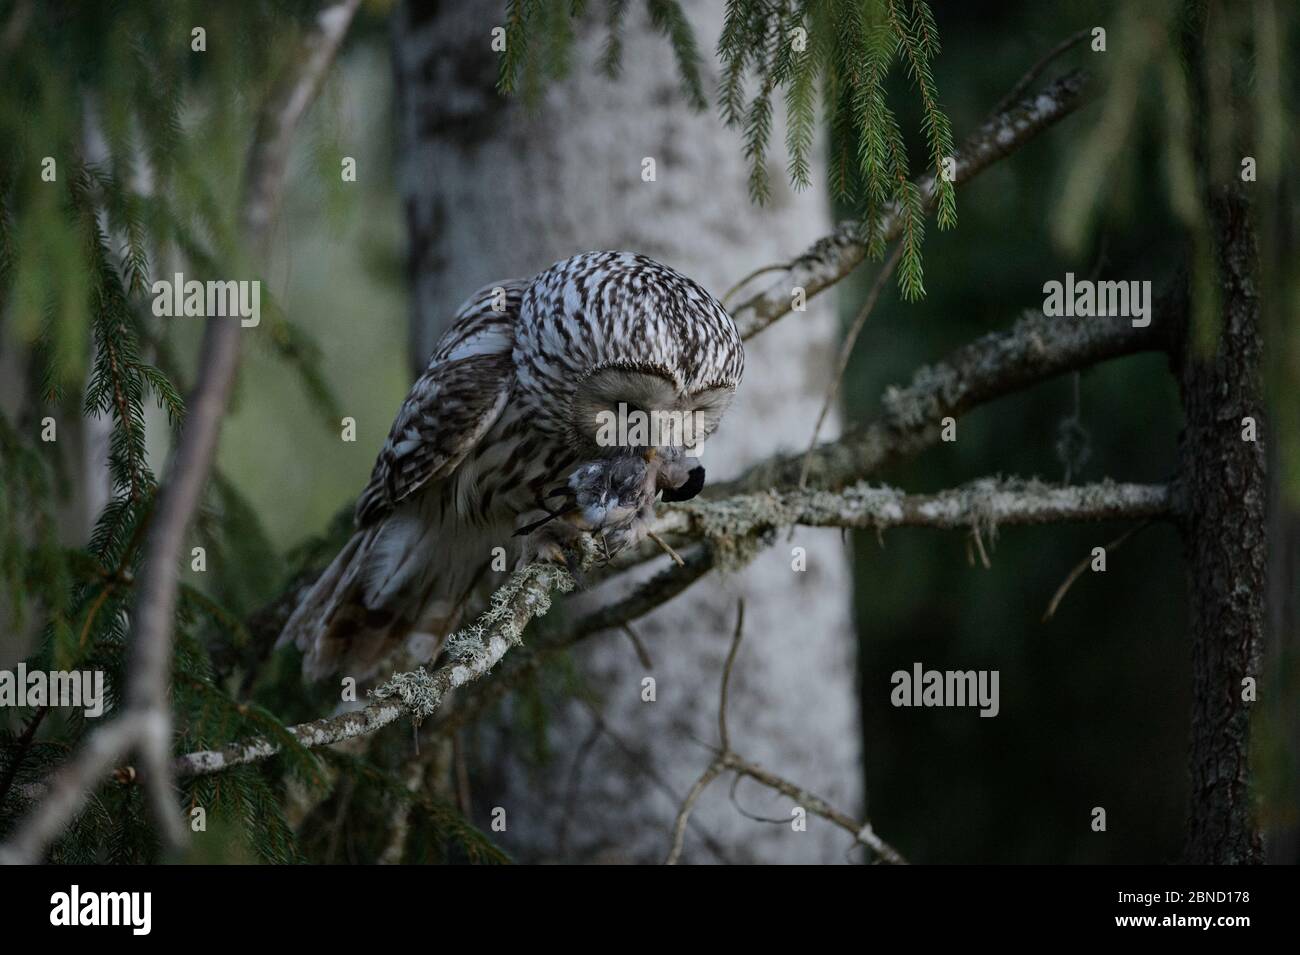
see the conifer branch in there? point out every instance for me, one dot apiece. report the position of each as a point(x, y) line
point(838, 254)
point(733, 516)
point(146, 724)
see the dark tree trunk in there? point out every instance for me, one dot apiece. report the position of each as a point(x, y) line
point(1225, 482)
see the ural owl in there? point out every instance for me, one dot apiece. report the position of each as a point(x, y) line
point(499, 445)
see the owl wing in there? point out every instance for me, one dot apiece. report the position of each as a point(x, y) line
point(452, 404)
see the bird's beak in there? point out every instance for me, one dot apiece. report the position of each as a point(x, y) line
point(694, 485)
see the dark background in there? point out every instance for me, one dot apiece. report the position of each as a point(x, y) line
point(1095, 702)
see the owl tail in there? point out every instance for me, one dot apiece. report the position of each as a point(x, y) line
point(408, 573)
point(332, 625)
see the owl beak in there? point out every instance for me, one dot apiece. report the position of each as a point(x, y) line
point(693, 485)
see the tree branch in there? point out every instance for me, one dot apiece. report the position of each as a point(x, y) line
point(861, 831)
point(1034, 349)
point(835, 256)
point(146, 724)
point(473, 651)
point(734, 524)
point(727, 760)
point(987, 502)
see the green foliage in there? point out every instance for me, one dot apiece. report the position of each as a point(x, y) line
point(666, 16)
point(849, 47)
point(33, 568)
point(539, 38)
point(437, 832)
point(1212, 78)
point(1204, 107)
point(790, 48)
point(147, 140)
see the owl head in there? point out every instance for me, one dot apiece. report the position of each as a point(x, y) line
point(618, 353)
point(628, 406)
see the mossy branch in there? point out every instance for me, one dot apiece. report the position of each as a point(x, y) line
point(1033, 350)
point(981, 505)
point(473, 652)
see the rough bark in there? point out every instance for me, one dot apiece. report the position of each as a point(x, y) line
point(1224, 535)
point(494, 191)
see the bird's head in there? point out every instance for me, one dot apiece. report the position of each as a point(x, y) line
point(642, 410)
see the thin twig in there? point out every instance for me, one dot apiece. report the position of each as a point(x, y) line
point(736, 780)
point(862, 832)
point(684, 814)
point(846, 352)
point(644, 764)
point(723, 736)
point(1082, 565)
point(764, 270)
point(719, 764)
point(1036, 70)
point(643, 655)
point(727, 760)
point(978, 540)
point(663, 545)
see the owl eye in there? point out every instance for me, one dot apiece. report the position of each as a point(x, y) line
point(614, 410)
point(709, 407)
point(618, 396)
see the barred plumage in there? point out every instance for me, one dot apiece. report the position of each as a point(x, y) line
point(502, 417)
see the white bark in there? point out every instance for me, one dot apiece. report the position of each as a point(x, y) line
point(494, 192)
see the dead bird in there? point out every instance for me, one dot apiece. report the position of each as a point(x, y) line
point(613, 499)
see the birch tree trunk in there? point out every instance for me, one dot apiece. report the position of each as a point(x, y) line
point(492, 191)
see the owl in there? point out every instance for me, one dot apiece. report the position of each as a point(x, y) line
point(503, 447)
